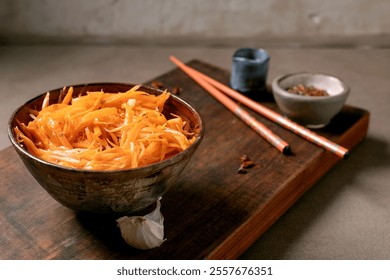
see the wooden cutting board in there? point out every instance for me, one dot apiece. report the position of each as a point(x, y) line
point(212, 212)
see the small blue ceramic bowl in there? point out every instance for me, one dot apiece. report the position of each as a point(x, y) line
point(249, 70)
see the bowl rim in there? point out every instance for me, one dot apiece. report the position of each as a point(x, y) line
point(277, 89)
point(161, 164)
point(247, 55)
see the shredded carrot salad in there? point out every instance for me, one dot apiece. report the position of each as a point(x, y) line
point(104, 131)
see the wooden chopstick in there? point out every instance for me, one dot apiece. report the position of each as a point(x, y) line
point(273, 116)
point(257, 126)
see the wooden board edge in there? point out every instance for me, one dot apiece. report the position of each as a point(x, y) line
point(243, 237)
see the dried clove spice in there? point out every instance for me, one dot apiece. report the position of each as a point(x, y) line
point(157, 84)
point(246, 163)
point(176, 90)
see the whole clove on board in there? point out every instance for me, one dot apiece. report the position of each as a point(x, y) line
point(157, 84)
point(160, 85)
point(176, 90)
point(246, 163)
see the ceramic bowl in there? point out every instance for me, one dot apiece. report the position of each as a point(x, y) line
point(249, 70)
point(310, 111)
point(120, 191)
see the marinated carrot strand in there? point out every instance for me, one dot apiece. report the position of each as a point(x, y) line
point(68, 96)
point(104, 131)
point(45, 102)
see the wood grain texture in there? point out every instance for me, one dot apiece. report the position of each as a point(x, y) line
point(211, 213)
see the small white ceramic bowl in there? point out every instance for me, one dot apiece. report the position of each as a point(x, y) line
point(310, 111)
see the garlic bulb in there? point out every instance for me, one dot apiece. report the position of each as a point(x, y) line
point(143, 232)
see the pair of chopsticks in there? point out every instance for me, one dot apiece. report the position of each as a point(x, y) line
point(221, 93)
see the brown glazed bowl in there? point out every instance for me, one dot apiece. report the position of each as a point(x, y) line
point(110, 192)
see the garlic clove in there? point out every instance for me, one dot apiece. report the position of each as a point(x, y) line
point(156, 215)
point(143, 232)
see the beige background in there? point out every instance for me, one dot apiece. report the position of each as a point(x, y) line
point(201, 22)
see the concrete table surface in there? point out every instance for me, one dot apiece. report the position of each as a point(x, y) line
point(346, 215)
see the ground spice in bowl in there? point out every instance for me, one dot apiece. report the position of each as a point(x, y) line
point(307, 90)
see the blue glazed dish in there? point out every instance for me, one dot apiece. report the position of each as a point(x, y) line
point(249, 70)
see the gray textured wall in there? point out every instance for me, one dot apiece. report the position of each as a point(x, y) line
point(190, 20)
